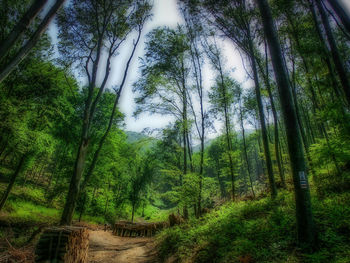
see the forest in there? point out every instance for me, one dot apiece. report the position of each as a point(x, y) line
point(253, 164)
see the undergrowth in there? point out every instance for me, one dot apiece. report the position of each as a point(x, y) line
point(260, 231)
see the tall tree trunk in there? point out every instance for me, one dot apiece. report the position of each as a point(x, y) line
point(83, 208)
point(228, 134)
point(275, 116)
point(305, 224)
point(79, 165)
point(133, 212)
point(12, 181)
point(74, 186)
point(267, 153)
point(184, 134)
point(325, 55)
point(245, 149)
point(189, 151)
point(23, 52)
point(201, 169)
point(341, 13)
point(21, 26)
point(334, 51)
point(110, 123)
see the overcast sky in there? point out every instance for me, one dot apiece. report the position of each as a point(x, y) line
point(165, 13)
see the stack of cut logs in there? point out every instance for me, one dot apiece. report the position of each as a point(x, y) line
point(63, 244)
point(128, 229)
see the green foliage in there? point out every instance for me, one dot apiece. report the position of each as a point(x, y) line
point(330, 157)
point(260, 230)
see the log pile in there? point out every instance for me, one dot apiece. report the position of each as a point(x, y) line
point(129, 229)
point(63, 244)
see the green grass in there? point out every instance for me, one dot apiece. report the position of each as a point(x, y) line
point(27, 205)
point(262, 230)
point(26, 211)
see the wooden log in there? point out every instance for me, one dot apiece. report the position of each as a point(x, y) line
point(63, 244)
point(128, 229)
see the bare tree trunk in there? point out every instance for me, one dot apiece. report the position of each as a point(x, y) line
point(245, 148)
point(341, 13)
point(305, 224)
point(110, 123)
point(274, 114)
point(23, 52)
point(74, 186)
point(267, 153)
point(21, 26)
point(12, 181)
point(133, 212)
point(326, 55)
point(184, 135)
point(334, 51)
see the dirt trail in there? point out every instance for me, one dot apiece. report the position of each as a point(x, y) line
point(107, 248)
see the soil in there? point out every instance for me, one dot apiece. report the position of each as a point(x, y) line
point(108, 248)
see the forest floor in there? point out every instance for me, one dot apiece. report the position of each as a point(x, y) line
point(107, 248)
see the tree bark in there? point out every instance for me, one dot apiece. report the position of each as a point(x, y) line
point(133, 212)
point(305, 224)
point(267, 153)
point(245, 148)
point(116, 101)
point(12, 181)
point(23, 52)
point(21, 26)
point(334, 51)
point(326, 55)
point(341, 13)
point(274, 114)
point(79, 165)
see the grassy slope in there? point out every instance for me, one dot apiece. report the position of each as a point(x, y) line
point(26, 210)
point(260, 231)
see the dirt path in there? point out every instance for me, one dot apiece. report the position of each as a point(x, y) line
point(107, 248)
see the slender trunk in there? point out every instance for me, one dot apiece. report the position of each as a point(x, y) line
point(262, 121)
point(74, 186)
point(133, 212)
point(325, 55)
point(110, 123)
point(12, 181)
point(189, 151)
point(201, 171)
point(143, 210)
point(221, 184)
point(339, 65)
point(83, 208)
point(184, 135)
point(275, 117)
point(305, 225)
point(20, 27)
point(79, 165)
point(245, 150)
point(228, 138)
point(23, 52)
point(3, 147)
point(341, 13)
point(297, 113)
point(106, 207)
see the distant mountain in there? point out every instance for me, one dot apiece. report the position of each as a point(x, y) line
point(207, 143)
point(135, 136)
